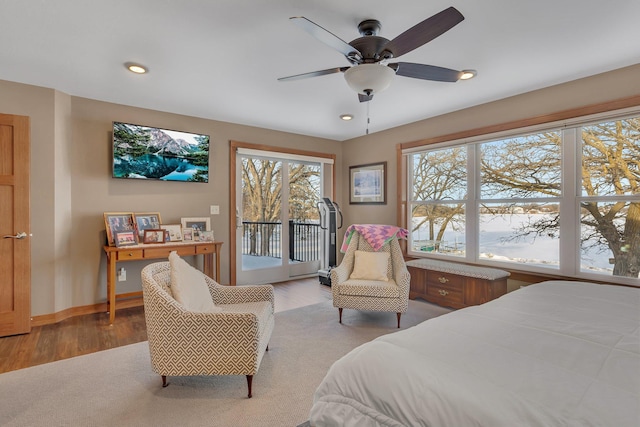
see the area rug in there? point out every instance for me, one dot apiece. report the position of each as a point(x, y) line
point(118, 387)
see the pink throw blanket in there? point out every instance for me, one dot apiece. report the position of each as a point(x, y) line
point(376, 234)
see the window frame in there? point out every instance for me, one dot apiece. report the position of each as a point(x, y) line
point(569, 201)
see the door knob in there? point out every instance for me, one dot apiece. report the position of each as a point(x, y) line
point(20, 235)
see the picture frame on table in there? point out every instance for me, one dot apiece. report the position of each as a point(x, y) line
point(115, 222)
point(205, 236)
point(154, 236)
point(368, 184)
point(126, 238)
point(147, 221)
point(187, 234)
point(174, 231)
point(197, 224)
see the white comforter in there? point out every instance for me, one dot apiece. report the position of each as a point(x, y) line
point(558, 353)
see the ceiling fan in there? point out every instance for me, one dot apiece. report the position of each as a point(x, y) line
point(370, 71)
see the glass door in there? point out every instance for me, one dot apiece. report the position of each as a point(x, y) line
point(277, 228)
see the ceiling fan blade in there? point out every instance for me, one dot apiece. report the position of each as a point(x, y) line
point(423, 32)
point(313, 74)
point(327, 38)
point(426, 72)
point(364, 98)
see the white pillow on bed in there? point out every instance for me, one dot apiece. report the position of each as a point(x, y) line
point(370, 266)
point(189, 287)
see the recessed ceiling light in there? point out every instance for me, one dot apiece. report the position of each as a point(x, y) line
point(346, 117)
point(136, 68)
point(468, 74)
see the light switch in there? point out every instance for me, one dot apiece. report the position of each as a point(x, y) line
point(215, 210)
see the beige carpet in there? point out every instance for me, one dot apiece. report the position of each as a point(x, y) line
point(118, 388)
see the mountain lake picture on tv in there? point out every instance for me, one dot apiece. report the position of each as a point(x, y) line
point(143, 152)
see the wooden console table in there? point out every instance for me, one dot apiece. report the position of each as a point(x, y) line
point(157, 251)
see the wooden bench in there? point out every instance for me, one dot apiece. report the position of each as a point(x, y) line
point(455, 285)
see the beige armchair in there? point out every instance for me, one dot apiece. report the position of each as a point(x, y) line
point(231, 342)
point(366, 294)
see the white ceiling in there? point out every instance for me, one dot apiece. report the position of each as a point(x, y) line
point(220, 59)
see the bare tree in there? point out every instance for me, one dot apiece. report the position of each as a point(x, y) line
point(304, 191)
point(262, 197)
point(611, 166)
point(439, 175)
point(530, 167)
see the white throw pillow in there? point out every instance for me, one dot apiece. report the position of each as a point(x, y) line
point(189, 287)
point(370, 266)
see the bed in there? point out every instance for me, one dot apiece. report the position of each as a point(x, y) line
point(557, 353)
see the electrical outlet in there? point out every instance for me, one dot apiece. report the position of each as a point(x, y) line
point(215, 210)
point(122, 275)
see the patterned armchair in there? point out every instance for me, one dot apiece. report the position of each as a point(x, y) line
point(231, 342)
point(375, 295)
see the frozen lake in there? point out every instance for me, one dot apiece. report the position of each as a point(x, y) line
point(496, 232)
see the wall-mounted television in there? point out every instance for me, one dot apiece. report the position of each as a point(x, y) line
point(144, 152)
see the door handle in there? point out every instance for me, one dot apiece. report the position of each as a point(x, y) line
point(21, 235)
point(238, 219)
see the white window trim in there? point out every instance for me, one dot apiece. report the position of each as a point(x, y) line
point(569, 257)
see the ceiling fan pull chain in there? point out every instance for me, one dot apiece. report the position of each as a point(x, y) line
point(368, 118)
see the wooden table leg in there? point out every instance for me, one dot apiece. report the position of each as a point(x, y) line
point(111, 287)
point(217, 272)
point(207, 266)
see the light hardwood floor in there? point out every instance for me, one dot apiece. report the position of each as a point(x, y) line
point(90, 333)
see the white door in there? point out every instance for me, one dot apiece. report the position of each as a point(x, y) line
point(277, 228)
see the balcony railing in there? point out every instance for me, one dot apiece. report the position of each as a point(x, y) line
point(263, 239)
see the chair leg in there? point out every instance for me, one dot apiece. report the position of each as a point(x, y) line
point(340, 312)
point(164, 381)
point(249, 380)
point(399, 314)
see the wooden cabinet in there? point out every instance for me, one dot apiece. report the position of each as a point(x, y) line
point(455, 285)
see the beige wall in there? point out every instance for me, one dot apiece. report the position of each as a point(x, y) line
point(71, 187)
point(381, 146)
point(71, 184)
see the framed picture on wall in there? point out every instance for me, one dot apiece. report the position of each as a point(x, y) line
point(115, 222)
point(147, 221)
point(368, 184)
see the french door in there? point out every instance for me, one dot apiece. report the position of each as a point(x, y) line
point(277, 232)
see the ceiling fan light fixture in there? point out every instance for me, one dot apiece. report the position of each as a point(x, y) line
point(468, 74)
point(369, 79)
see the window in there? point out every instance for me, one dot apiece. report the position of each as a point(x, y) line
point(519, 200)
point(439, 201)
point(609, 203)
point(563, 199)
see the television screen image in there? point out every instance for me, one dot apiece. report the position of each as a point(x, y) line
point(143, 152)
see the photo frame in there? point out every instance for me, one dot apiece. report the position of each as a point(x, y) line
point(174, 231)
point(197, 224)
point(205, 236)
point(115, 222)
point(154, 236)
point(187, 234)
point(368, 184)
point(126, 238)
point(147, 221)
